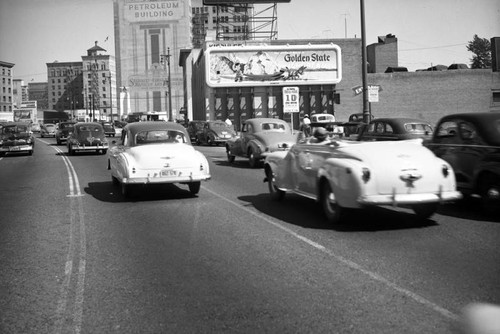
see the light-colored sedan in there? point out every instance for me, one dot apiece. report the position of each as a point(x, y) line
point(342, 174)
point(48, 130)
point(156, 153)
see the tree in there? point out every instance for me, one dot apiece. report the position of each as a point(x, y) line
point(481, 48)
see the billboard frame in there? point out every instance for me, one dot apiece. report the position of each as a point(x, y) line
point(292, 65)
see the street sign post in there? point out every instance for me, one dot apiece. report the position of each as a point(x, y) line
point(291, 101)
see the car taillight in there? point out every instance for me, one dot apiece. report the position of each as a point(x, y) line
point(445, 170)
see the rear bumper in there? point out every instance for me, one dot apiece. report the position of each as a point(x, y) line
point(408, 199)
point(88, 147)
point(165, 180)
point(19, 148)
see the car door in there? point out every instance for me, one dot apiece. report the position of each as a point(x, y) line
point(247, 134)
point(310, 157)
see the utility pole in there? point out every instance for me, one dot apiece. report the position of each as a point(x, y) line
point(110, 97)
point(167, 57)
point(366, 108)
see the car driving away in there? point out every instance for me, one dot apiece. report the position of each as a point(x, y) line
point(87, 137)
point(259, 137)
point(470, 142)
point(48, 130)
point(63, 131)
point(398, 128)
point(109, 129)
point(345, 174)
point(156, 153)
point(215, 133)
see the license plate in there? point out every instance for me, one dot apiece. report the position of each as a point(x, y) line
point(168, 172)
point(15, 148)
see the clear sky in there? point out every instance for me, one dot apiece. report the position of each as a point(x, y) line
point(429, 32)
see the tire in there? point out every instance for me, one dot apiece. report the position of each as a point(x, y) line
point(230, 157)
point(275, 193)
point(425, 210)
point(70, 151)
point(490, 194)
point(333, 211)
point(114, 180)
point(30, 152)
point(252, 160)
point(59, 142)
point(194, 187)
point(125, 190)
point(209, 141)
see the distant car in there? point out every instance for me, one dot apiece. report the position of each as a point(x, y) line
point(259, 137)
point(48, 130)
point(16, 137)
point(215, 133)
point(63, 131)
point(156, 153)
point(322, 117)
point(87, 137)
point(346, 174)
point(395, 129)
point(470, 143)
point(35, 127)
point(109, 129)
point(193, 128)
point(354, 125)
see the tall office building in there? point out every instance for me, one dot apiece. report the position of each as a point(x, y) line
point(6, 87)
point(148, 38)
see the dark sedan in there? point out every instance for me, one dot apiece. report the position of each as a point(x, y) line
point(395, 129)
point(16, 137)
point(63, 131)
point(215, 133)
point(470, 142)
point(87, 137)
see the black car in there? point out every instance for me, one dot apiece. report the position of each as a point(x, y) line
point(193, 128)
point(87, 137)
point(16, 137)
point(109, 129)
point(470, 143)
point(63, 131)
point(400, 128)
point(215, 133)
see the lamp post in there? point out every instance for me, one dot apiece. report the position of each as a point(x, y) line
point(167, 56)
point(366, 108)
point(110, 96)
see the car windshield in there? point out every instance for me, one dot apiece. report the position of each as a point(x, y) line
point(66, 125)
point(273, 127)
point(50, 126)
point(10, 129)
point(221, 126)
point(159, 136)
point(89, 129)
point(418, 128)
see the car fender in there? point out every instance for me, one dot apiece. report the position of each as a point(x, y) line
point(233, 146)
point(345, 178)
point(256, 147)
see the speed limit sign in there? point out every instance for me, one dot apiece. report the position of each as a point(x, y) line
point(291, 99)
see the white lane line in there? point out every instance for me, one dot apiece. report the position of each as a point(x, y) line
point(416, 297)
point(74, 253)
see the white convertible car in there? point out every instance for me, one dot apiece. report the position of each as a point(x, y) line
point(343, 174)
point(156, 153)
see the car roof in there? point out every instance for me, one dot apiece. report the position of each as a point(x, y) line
point(264, 120)
point(399, 120)
point(136, 127)
point(486, 122)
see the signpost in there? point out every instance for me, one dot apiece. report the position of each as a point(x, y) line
point(291, 101)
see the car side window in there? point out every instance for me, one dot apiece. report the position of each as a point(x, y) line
point(379, 128)
point(388, 128)
point(469, 133)
point(447, 130)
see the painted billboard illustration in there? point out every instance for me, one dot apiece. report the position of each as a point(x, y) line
point(245, 66)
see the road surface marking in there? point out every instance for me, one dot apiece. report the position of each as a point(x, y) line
point(416, 297)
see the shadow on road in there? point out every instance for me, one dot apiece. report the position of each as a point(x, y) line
point(470, 209)
point(107, 192)
point(308, 214)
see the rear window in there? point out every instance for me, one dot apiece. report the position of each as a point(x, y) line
point(418, 128)
point(273, 126)
point(94, 129)
point(159, 136)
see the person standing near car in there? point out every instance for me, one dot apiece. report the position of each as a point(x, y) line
point(305, 127)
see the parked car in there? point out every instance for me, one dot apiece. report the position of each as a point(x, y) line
point(193, 128)
point(87, 137)
point(353, 126)
point(109, 129)
point(470, 143)
point(63, 131)
point(48, 130)
point(259, 137)
point(16, 137)
point(156, 153)
point(345, 174)
point(215, 133)
point(397, 128)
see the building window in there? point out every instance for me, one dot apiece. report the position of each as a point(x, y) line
point(496, 97)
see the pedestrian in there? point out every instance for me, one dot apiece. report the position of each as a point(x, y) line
point(228, 122)
point(305, 127)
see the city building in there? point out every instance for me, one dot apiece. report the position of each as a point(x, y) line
point(64, 86)
point(383, 54)
point(19, 92)
point(99, 85)
point(6, 93)
point(38, 91)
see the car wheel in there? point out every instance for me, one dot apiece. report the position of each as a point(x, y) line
point(194, 187)
point(230, 157)
point(331, 209)
point(425, 210)
point(125, 190)
point(30, 152)
point(252, 160)
point(104, 151)
point(115, 180)
point(275, 193)
point(490, 194)
point(210, 142)
point(58, 142)
point(70, 151)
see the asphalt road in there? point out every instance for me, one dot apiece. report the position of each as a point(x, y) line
point(78, 257)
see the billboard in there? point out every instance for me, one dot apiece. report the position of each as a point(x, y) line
point(153, 11)
point(279, 65)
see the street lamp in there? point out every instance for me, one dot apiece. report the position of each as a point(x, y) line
point(110, 96)
point(366, 108)
point(167, 56)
